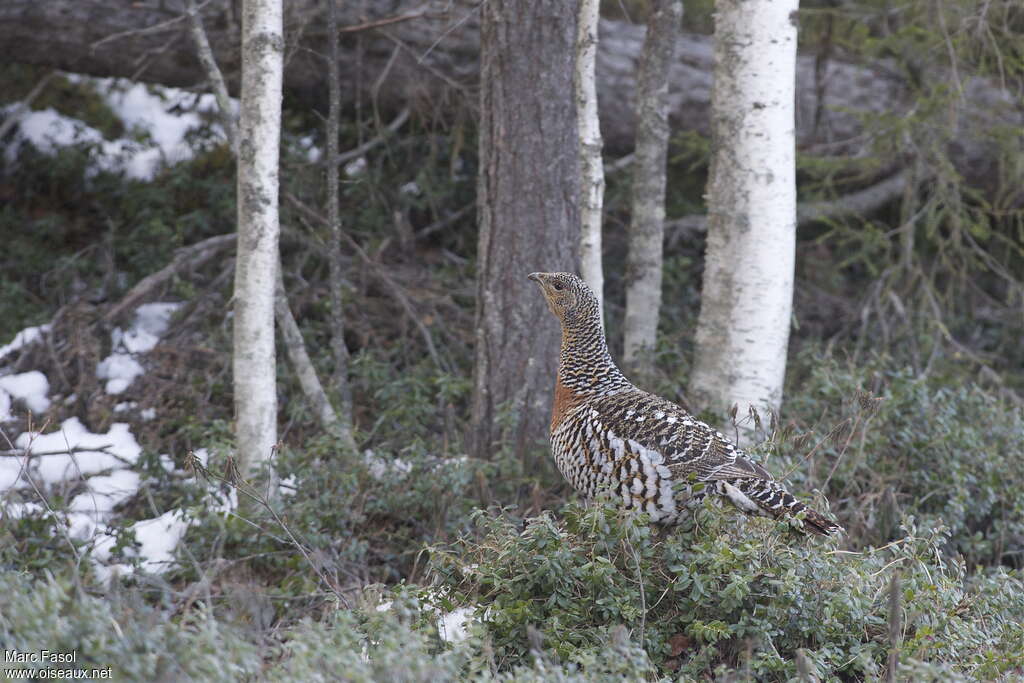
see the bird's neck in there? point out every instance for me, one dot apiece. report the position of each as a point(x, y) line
point(585, 365)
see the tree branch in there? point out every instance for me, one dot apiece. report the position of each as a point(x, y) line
point(378, 271)
point(304, 370)
point(362, 149)
point(213, 74)
point(19, 109)
point(192, 256)
point(856, 203)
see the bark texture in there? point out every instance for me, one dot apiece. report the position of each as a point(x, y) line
point(529, 217)
point(591, 166)
point(339, 378)
point(259, 131)
point(419, 50)
point(647, 230)
point(746, 301)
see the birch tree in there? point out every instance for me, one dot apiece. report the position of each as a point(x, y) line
point(746, 301)
point(591, 166)
point(259, 132)
point(647, 229)
point(529, 219)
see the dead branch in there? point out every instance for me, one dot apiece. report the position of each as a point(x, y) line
point(362, 149)
point(22, 107)
point(856, 203)
point(213, 74)
point(443, 223)
point(861, 202)
point(381, 274)
point(387, 21)
point(304, 370)
point(192, 256)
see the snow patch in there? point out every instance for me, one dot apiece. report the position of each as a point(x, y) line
point(29, 387)
point(452, 626)
point(29, 335)
point(380, 467)
point(356, 167)
point(158, 119)
point(151, 321)
point(157, 539)
point(121, 368)
point(89, 453)
point(288, 486)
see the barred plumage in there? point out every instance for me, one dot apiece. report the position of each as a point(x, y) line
point(609, 436)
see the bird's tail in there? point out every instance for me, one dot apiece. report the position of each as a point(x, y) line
point(769, 498)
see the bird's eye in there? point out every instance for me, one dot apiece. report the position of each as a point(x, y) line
point(558, 287)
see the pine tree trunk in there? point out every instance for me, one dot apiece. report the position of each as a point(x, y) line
point(591, 166)
point(746, 301)
point(529, 218)
point(255, 381)
point(647, 230)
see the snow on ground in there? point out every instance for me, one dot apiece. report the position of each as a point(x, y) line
point(380, 467)
point(452, 626)
point(73, 451)
point(157, 539)
point(29, 335)
point(31, 388)
point(158, 120)
point(121, 368)
point(99, 468)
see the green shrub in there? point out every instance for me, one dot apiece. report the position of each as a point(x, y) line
point(723, 593)
point(937, 447)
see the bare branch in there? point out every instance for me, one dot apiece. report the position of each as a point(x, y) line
point(362, 149)
point(19, 109)
point(192, 256)
point(857, 203)
point(387, 21)
point(213, 74)
point(304, 370)
point(861, 202)
point(377, 270)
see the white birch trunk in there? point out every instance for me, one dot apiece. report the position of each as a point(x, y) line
point(256, 269)
point(647, 228)
point(591, 165)
point(746, 303)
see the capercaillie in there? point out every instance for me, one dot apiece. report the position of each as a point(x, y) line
point(610, 437)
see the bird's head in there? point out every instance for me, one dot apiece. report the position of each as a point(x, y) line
point(568, 297)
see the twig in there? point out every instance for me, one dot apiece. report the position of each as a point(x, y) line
point(377, 270)
point(191, 256)
point(23, 472)
point(377, 23)
point(155, 28)
point(362, 149)
point(240, 486)
point(444, 222)
point(455, 85)
point(19, 109)
point(213, 73)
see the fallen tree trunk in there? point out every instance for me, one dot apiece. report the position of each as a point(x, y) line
point(422, 51)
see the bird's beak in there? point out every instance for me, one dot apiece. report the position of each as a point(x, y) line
point(535, 277)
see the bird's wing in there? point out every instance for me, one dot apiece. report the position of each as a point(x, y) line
point(686, 444)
